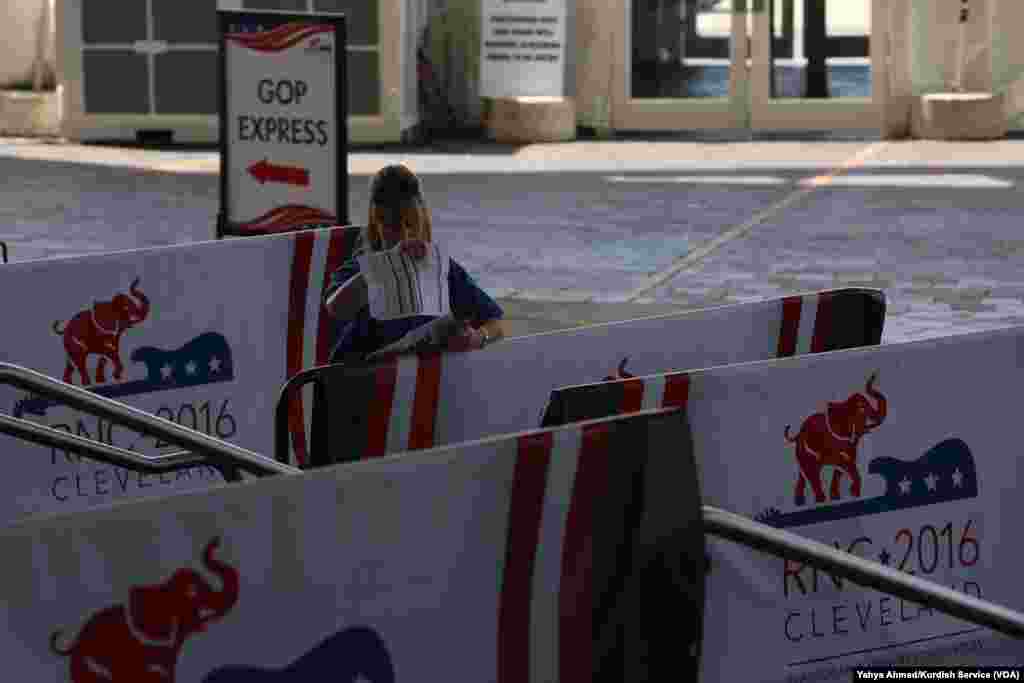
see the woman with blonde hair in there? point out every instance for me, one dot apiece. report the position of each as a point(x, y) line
point(398, 217)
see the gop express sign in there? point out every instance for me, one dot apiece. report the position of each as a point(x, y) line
point(283, 122)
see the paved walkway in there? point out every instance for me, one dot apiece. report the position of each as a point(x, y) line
point(592, 231)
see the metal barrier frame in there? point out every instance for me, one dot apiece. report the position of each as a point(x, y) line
point(289, 392)
point(227, 457)
point(230, 458)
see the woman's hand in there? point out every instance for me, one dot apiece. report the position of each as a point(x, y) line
point(416, 249)
point(468, 339)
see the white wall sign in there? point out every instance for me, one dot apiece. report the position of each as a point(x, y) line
point(283, 121)
point(522, 48)
point(202, 334)
point(904, 454)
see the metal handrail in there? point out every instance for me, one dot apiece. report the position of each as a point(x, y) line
point(284, 398)
point(226, 456)
point(112, 455)
point(289, 392)
point(867, 573)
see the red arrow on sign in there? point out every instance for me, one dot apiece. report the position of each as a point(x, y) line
point(264, 172)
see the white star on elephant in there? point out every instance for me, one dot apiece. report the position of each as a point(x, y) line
point(905, 486)
point(190, 367)
point(930, 481)
point(214, 364)
point(166, 371)
point(958, 478)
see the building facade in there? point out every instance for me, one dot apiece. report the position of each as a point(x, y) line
point(630, 65)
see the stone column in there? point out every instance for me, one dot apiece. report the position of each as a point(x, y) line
point(891, 24)
point(596, 48)
point(1008, 58)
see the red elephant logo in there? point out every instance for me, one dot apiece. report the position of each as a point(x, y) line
point(830, 438)
point(140, 642)
point(98, 330)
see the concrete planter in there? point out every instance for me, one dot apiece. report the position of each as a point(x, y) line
point(522, 120)
point(961, 116)
point(29, 114)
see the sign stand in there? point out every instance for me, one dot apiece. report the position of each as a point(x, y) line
point(283, 122)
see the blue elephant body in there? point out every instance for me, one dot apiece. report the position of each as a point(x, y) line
point(354, 654)
point(188, 365)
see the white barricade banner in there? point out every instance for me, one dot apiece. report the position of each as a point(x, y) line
point(417, 401)
point(902, 454)
point(203, 334)
point(486, 561)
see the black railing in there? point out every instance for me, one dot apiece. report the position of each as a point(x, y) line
point(227, 457)
point(864, 572)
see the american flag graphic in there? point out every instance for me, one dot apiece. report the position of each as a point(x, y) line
point(205, 359)
point(945, 473)
point(283, 219)
point(280, 38)
point(317, 253)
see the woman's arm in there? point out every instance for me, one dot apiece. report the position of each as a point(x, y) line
point(469, 302)
point(348, 299)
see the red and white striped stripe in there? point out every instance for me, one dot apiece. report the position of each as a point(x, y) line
point(316, 253)
point(806, 324)
point(412, 404)
point(545, 609)
point(655, 391)
point(379, 417)
point(400, 425)
point(403, 409)
point(547, 565)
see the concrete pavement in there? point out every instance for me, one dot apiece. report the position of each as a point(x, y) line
point(607, 230)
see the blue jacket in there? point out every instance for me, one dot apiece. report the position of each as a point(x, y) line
point(363, 334)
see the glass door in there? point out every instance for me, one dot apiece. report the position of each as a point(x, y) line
point(685, 66)
point(815, 66)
